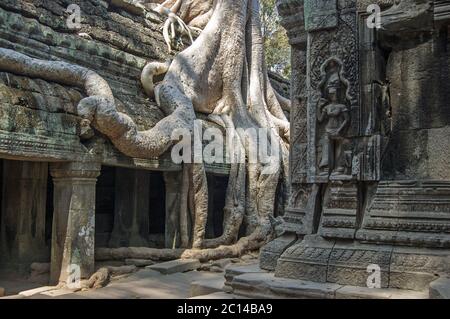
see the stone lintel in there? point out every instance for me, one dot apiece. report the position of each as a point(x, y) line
point(292, 19)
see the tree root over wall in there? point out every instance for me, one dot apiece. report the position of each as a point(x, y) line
point(222, 74)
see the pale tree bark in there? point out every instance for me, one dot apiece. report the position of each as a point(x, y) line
point(222, 74)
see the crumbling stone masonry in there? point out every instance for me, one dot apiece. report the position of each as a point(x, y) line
point(63, 195)
point(370, 128)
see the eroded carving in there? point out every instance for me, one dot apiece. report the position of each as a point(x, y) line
point(333, 115)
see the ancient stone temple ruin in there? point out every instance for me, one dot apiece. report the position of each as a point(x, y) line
point(359, 205)
point(70, 184)
point(369, 144)
point(65, 192)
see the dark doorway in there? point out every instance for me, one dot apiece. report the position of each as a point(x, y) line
point(127, 197)
point(217, 187)
point(104, 206)
point(49, 212)
point(24, 214)
point(157, 209)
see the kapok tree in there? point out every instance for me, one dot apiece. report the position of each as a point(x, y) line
point(222, 74)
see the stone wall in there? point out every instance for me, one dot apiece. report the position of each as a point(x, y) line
point(377, 192)
point(120, 44)
point(38, 124)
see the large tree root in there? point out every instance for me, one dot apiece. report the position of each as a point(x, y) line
point(245, 244)
point(221, 74)
point(194, 13)
point(99, 110)
point(103, 276)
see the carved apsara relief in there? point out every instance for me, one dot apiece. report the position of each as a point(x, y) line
point(333, 116)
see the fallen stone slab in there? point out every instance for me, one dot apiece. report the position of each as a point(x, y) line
point(440, 289)
point(59, 292)
point(31, 292)
point(174, 266)
point(207, 286)
point(139, 262)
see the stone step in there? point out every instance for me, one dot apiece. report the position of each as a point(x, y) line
point(234, 270)
point(207, 286)
point(266, 285)
point(174, 266)
point(440, 288)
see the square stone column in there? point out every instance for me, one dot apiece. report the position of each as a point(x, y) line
point(73, 232)
point(298, 216)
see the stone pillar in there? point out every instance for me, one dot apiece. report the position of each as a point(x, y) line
point(295, 226)
point(131, 208)
point(323, 163)
point(23, 209)
point(73, 232)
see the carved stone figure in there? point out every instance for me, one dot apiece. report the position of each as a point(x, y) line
point(333, 112)
point(214, 76)
point(392, 129)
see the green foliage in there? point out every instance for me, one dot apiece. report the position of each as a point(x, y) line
point(276, 45)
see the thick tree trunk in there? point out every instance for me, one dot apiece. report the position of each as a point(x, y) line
point(222, 74)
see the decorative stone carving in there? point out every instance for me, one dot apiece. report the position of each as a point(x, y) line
point(409, 213)
point(307, 259)
point(385, 201)
point(340, 208)
point(294, 223)
point(333, 116)
point(320, 15)
point(332, 65)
